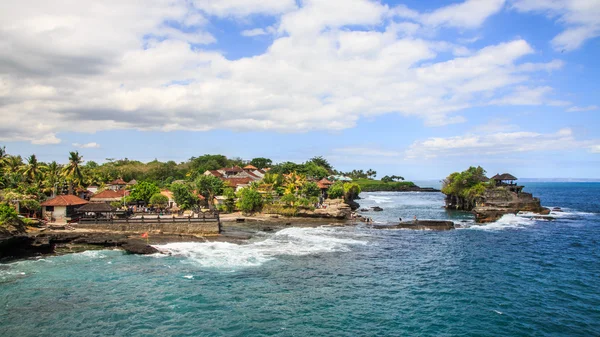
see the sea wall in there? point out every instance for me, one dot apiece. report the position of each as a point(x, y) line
point(193, 228)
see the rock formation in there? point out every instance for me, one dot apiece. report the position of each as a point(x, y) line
point(498, 201)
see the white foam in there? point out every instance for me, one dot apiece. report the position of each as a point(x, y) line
point(507, 221)
point(379, 199)
point(290, 241)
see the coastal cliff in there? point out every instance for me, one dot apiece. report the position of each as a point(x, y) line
point(488, 198)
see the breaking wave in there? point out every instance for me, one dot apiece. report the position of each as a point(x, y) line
point(290, 241)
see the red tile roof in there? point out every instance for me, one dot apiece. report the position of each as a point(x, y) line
point(65, 200)
point(235, 182)
point(232, 169)
point(215, 173)
point(250, 167)
point(108, 194)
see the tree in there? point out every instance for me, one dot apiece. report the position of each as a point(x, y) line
point(33, 169)
point(143, 191)
point(315, 171)
point(261, 163)
point(336, 190)
point(72, 172)
point(229, 194)
point(249, 200)
point(322, 162)
point(209, 186)
point(184, 196)
point(158, 200)
point(371, 173)
point(310, 189)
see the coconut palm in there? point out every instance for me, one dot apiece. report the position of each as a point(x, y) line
point(72, 171)
point(13, 164)
point(33, 169)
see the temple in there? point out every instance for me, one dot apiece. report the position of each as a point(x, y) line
point(507, 180)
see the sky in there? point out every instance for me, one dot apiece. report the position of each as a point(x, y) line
point(413, 88)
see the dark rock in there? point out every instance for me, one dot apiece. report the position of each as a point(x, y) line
point(138, 247)
point(557, 209)
point(377, 209)
point(353, 205)
point(437, 225)
point(23, 246)
point(364, 209)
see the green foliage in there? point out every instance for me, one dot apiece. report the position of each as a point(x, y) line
point(310, 189)
point(351, 190)
point(322, 162)
point(249, 200)
point(229, 194)
point(143, 191)
point(336, 190)
point(288, 199)
point(9, 220)
point(209, 186)
point(184, 196)
point(261, 163)
point(368, 185)
point(159, 200)
point(116, 204)
point(469, 184)
point(389, 179)
point(30, 204)
point(312, 170)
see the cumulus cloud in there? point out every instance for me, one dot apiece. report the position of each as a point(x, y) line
point(143, 65)
point(497, 143)
point(468, 14)
point(581, 19)
point(583, 108)
point(87, 145)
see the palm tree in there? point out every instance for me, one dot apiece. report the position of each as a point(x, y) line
point(13, 164)
point(33, 169)
point(293, 182)
point(3, 155)
point(72, 171)
point(53, 173)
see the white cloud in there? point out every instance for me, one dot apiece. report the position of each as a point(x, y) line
point(583, 108)
point(242, 8)
point(258, 31)
point(595, 149)
point(580, 17)
point(87, 145)
point(468, 14)
point(496, 143)
point(64, 68)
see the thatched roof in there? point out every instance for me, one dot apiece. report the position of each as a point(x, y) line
point(96, 207)
point(65, 200)
point(118, 182)
point(504, 176)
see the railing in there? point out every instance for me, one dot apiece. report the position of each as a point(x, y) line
point(204, 217)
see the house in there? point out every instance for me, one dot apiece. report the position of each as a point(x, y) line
point(324, 185)
point(237, 183)
point(250, 168)
point(61, 208)
point(117, 184)
point(227, 173)
point(92, 188)
point(108, 196)
point(169, 195)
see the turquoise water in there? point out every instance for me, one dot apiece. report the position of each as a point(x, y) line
point(515, 277)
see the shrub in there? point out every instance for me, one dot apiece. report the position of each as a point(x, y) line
point(159, 200)
point(249, 200)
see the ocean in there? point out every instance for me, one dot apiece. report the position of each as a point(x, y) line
point(515, 277)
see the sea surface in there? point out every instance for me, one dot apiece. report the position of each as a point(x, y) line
point(514, 277)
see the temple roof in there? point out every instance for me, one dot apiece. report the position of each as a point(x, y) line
point(97, 207)
point(504, 176)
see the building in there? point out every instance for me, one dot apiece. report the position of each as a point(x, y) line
point(507, 180)
point(324, 185)
point(117, 184)
point(61, 208)
point(169, 195)
point(108, 196)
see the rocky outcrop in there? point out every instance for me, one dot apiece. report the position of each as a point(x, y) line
point(138, 247)
point(377, 209)
point(499, 201)
point(335, 209)
point(437, 225)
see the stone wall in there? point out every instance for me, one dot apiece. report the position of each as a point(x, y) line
point(193, 228)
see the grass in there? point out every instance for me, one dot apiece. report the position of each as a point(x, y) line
point(368, 185)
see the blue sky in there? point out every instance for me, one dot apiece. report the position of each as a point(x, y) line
point(416, 88)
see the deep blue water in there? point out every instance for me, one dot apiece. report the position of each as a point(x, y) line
point(515, 277)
